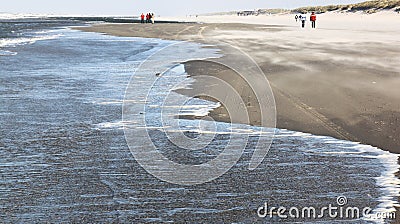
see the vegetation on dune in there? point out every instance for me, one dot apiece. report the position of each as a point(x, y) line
point(319, 9)
point(368, 7)
point(272, 11)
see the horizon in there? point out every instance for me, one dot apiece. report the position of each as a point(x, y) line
point(160, 8)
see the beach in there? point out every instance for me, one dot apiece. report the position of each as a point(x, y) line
point(84, 116)
point(339, 80)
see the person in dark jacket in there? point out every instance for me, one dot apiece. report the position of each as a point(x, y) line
point(303, 19)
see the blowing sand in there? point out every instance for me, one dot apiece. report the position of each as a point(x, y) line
point(341, 79)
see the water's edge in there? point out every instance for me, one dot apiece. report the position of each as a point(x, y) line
point(63, 133)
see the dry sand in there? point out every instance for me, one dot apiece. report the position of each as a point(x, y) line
point(341, 79)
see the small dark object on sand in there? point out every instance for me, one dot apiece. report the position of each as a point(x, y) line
point(158, 74)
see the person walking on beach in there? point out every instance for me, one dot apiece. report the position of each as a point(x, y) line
point(296, 17)
point(152, 18)
point(142, 18)
point(147, 17)
point(313, 19)
point(303, 19)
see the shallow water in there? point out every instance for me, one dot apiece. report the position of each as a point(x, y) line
point(64, 156)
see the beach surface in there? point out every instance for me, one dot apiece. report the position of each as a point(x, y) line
point(341, 79)
point(68, 155)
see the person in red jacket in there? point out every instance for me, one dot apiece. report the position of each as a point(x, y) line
point(313, 19)
point(142, 18)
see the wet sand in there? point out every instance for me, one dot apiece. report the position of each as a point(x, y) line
point(340, 81)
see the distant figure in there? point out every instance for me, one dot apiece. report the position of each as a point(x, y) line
point(147, 17)
point(303, 20)
point(313, 19)
point(296, 17)
point(142, 18)
point(152, 18)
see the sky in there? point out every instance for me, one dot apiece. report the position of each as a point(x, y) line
point(159, 7)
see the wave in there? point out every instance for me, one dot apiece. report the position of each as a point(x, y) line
point(388, 182)
point(7, 53)
point(11, 16)
point(12, 42)
point(6, 16)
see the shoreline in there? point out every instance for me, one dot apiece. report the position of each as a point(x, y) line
point(286, 102)
point(89, 165)
point(339, 110)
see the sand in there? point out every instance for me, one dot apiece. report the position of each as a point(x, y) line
point(341, 79)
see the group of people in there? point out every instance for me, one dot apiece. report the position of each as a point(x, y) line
point(303, 19)
point(149, 18)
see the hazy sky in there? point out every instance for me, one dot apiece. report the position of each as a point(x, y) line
point(160, 7)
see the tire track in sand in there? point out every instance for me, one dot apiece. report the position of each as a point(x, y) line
point(316, 116)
